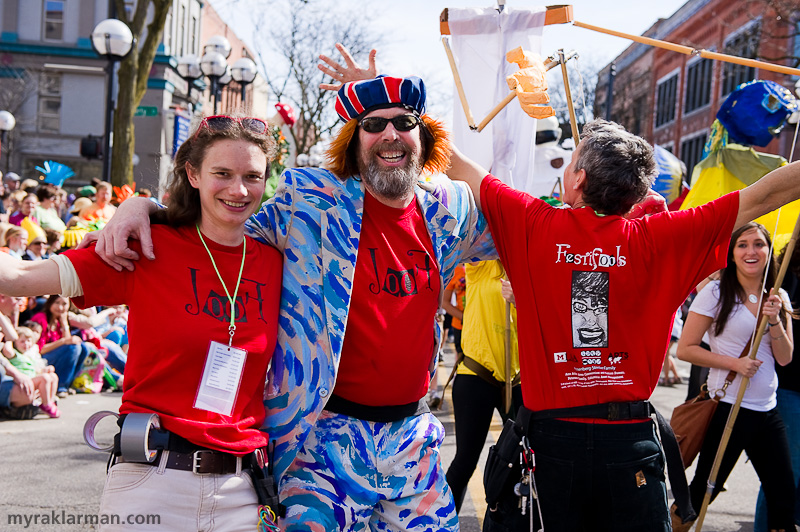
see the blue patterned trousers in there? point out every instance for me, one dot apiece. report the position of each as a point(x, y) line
point(355, 475)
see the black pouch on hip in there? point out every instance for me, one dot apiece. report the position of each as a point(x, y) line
point(503, 467)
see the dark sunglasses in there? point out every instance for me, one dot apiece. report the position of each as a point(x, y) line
point(376, 124)
point(221, 122)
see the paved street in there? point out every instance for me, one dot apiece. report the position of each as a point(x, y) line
point(47, 468)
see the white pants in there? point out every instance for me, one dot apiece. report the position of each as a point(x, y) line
point(141, 497)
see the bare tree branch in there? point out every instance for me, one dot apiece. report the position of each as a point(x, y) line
point(288, 57)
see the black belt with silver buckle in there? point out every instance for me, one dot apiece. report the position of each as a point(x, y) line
point(202, 462)
point(187, 456)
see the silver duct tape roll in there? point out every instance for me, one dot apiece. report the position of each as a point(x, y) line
point(134, 437)
point(91, 424)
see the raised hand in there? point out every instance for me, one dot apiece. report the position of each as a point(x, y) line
point(350, 71)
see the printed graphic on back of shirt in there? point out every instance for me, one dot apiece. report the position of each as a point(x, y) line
point(592, 363)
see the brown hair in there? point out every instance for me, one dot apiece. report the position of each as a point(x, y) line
point(342, 153)
point(620, 167)
point(52, 320)
point(183, 200)
point(730, 291)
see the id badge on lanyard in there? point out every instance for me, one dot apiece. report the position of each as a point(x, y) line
point(222, 376)
point(222, 373)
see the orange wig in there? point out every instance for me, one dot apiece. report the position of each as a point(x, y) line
point(342, 152)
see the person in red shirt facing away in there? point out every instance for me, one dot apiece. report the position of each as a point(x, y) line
point(596, 295)
point(203, 327)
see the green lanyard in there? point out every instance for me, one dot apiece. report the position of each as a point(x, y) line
point(231, 300)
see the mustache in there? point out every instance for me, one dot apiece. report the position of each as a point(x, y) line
point(397, 145)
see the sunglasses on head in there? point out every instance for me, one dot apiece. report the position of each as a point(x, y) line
point(221, 122)
point(376, 124)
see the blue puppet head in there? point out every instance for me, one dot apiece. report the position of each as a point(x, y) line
point(756, 111)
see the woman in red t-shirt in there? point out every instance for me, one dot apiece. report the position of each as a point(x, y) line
point(202, 328)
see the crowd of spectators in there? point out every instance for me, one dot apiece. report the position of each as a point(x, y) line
point(49, 349)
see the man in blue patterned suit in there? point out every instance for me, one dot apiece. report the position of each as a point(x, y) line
point(369, 246)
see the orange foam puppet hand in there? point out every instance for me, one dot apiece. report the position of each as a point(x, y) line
point(530, 83)
point(125, 192)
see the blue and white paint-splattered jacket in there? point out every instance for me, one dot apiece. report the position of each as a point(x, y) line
point(315, 219)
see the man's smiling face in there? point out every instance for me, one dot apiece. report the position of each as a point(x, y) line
point(390, 161)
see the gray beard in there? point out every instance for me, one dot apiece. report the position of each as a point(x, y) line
point(391, 183)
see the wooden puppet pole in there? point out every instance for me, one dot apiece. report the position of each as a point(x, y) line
point(573, 121)
point(497, 108)
point(550, 62)
point(508, 357)
point(459, 84)
point(693, 51)
point(762, 325)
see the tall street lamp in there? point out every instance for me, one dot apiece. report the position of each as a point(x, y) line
point(113, 40)
point(214, 67)
point(7, 123)
point(214, 63)
point(244, 72)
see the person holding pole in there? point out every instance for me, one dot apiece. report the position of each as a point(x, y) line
point(727, 309)
point(594, 326)
point(479, 385)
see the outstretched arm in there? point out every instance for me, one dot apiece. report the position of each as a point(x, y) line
point(132, 220)
point(772, 191)
point(28, 278)
point(467, 170)
point(350, 71)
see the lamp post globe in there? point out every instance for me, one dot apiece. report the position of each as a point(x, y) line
point(7, 123)
point(244, 72)
point(219, 44)
point(226, 77)
point(189, 67)
point(214, 66)
point(112, 39)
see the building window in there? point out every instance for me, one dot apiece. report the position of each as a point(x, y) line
point(182, 32)
point(50, 102)
point(744, 44)
point(193, 37)
point(698, 85)
point(665, 100)
point(54, 20)
point(168, 31)
point(692, 152)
